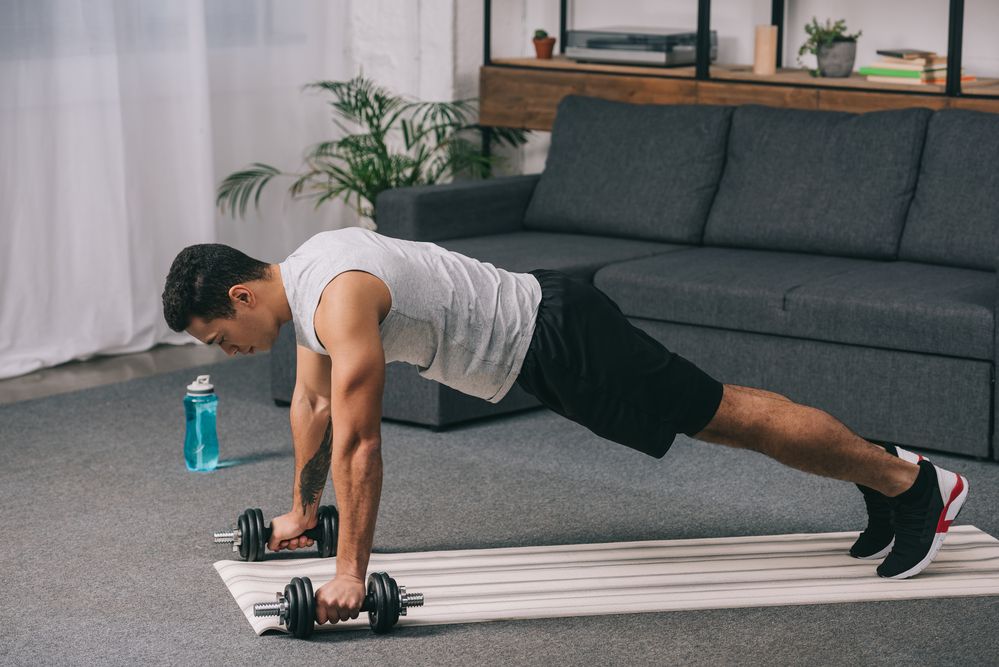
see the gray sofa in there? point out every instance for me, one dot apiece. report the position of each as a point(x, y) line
point(845, 260)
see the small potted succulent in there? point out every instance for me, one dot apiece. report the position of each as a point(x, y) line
point(833, 48)
point(543, 44)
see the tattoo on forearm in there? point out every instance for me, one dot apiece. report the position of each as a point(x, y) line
point(313, 477)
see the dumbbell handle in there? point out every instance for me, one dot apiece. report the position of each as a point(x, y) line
point(274, 608)
point(315, 533)
point(229, 536)
point(369, 604)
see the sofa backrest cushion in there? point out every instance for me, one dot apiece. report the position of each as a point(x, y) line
point(954, 217)
point(827, 182)
point(644, 171)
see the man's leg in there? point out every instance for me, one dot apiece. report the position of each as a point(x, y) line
point(805, 438)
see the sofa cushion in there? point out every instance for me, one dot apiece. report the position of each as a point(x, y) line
point(893, 305)
point(900, 306)
point(575, 254)
point(827, 182)
point(954, 216)
point(641, 171)
point(729, 288)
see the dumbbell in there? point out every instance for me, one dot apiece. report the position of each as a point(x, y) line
point(385, 602)
point(250, 535)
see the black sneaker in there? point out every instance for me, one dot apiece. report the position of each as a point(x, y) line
point(879, 536)
point(921, 522)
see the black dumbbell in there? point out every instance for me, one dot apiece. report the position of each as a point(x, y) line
point(384, 602)
point(250, 535)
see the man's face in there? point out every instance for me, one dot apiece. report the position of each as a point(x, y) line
point(248, 331)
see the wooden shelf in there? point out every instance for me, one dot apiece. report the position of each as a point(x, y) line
point(525, 92)
point(563, 64)
point(981, 87)
point(787, 76)
point(802, 77)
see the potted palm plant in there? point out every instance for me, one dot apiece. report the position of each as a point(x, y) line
point(394, 142)
point(833, 48)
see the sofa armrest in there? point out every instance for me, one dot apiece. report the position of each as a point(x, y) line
point(455, 210)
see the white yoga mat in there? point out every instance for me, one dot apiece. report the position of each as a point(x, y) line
point(474, 585)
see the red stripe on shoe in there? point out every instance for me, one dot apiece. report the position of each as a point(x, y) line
point(943, 525)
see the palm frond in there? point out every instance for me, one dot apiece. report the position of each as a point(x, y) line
point(323, 149)
point(458, 156)
point(237, 188)
point(504, 136)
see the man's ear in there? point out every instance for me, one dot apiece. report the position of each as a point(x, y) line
point(242, 294)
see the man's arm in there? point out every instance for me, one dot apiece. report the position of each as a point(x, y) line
point(311, 436)
point(311, 431)
point(347, 323)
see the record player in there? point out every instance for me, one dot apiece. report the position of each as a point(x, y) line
point(638, 46)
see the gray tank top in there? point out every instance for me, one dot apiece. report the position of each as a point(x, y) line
point(462, 322)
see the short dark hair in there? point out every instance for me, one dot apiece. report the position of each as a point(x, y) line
point(199, 280)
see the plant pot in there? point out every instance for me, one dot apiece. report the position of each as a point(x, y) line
point(543, 47)
point(836, 59)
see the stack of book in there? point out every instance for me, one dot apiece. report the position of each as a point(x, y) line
point(910, 67)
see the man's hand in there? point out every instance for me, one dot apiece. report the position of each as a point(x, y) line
point(287, 529)
point(339, 599)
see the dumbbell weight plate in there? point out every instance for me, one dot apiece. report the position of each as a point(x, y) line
point(395, 600)
point(329, 524)
point(251, 537)
point(298, 621)
point(323, 527)
point(258, 517)
point(379, 616)
point(291, 599)
point(306, 610)
point(310, 607)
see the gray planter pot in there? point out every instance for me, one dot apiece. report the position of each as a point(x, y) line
point(836, 59)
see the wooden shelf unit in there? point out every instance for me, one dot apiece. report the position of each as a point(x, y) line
point(525, 92)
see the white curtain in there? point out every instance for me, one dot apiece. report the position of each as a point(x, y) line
point(118, 118)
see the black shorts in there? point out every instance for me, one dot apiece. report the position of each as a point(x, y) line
point(587, 362)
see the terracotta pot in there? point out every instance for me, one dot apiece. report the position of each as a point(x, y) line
point(543, 47)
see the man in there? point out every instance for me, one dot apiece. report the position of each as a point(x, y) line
point(359, 300)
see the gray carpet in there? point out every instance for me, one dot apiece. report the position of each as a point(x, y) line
point(107, 554)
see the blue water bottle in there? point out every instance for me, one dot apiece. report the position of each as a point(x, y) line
point(201, 446)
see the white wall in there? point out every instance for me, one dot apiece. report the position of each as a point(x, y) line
point(886, 24)
point(406, 47)
point(259, 113)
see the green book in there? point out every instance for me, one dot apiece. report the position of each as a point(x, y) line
point(883, 71)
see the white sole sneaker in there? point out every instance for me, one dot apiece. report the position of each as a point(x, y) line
point(882, 502)
point(879, 555)
point(953, 490)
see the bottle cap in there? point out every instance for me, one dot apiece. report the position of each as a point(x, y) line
point(202, 385)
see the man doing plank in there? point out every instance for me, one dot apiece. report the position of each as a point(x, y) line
point(359, 300)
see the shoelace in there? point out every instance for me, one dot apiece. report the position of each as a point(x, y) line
point(879, 509)
point(911, 523)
